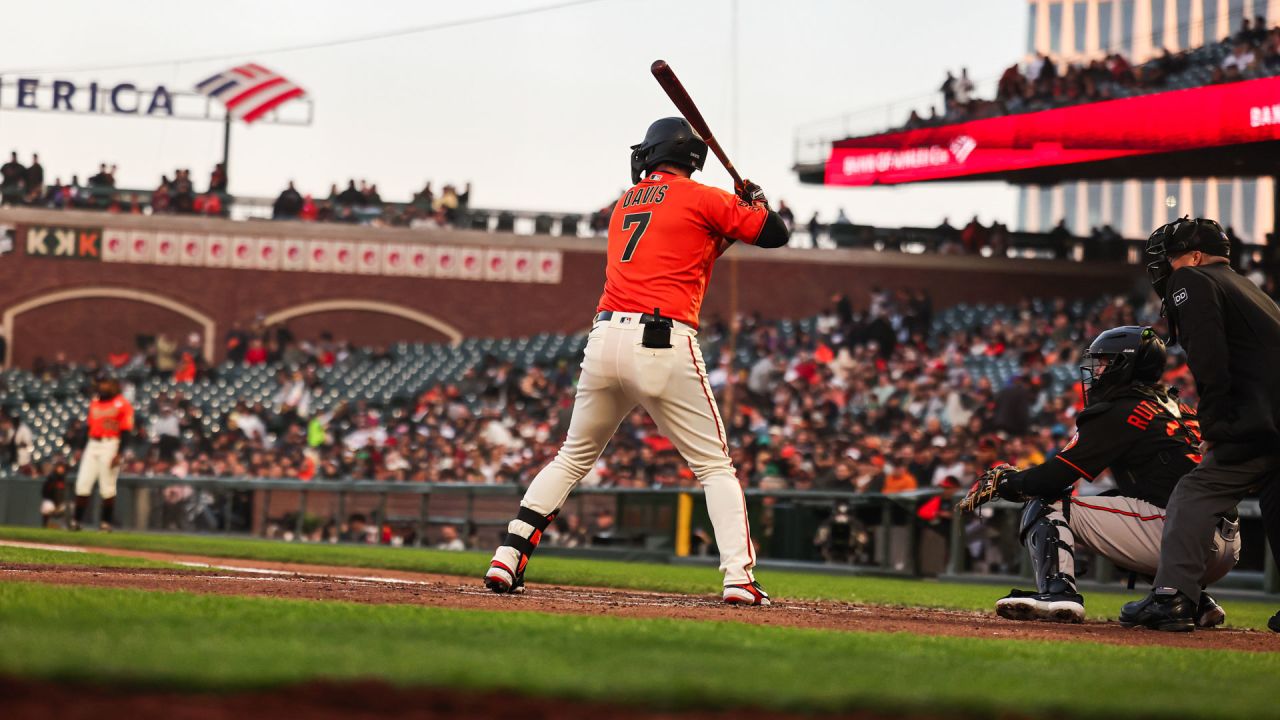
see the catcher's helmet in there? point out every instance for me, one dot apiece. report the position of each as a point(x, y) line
point(1182, 236)
point(670, 140)
point(1119, 358)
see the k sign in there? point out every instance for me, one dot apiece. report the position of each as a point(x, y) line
point(64, 242)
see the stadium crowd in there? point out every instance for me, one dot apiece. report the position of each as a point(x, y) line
point(1043, 83)
point(871, 400)
point(25, 185)
point(177, 194)
point(364, 204)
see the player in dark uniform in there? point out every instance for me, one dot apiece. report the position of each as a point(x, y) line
point(1136, 427)
point(1230, 330)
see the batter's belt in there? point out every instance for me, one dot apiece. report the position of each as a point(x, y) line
point(607, 315)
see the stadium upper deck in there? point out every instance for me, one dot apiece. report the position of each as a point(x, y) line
point(1127, 113)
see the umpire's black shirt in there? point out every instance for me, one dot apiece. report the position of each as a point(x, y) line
point(1231, 332)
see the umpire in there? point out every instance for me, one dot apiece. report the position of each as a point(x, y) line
point(1231, 333)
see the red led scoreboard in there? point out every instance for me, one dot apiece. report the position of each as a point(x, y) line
point(1178, 121)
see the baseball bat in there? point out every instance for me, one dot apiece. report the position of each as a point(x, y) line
point(666, 77)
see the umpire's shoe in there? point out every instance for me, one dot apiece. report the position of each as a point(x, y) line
point(745, 594)
point(1164, 609)
point(1063, 607)
point(1208, 612)
point(1274, 623)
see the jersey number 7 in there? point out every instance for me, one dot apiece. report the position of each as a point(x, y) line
point(640, 221)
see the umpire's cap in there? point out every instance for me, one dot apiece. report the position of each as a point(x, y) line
point(672, 140)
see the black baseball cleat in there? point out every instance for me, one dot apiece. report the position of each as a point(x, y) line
point(1062, 607)
point(1208, 612)
point(1274, 623)
point(1165, 609)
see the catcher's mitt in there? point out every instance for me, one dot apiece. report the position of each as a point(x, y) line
point(986, 489)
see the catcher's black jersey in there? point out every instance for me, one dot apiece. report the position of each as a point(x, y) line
point(1147, 438)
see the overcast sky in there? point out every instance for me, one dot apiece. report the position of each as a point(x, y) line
point(537, 111)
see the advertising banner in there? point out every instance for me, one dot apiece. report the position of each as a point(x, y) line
point(1181, 120)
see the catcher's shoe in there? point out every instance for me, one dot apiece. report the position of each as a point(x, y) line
point(1164, 609)
point(1274, 623)
point(74, 525)
point(745, 594)
point(104, 527)
point(1063, 607)
point(502, 576)
point(1209, 613)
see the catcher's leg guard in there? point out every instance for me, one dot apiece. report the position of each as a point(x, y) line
point(1051, 545)
point(506, 570)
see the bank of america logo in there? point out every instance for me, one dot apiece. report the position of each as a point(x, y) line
point(249, 91)
point(962, 146)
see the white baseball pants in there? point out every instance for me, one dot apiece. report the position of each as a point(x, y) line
point(95, 467)
point(1128, 532)
point(618, 373)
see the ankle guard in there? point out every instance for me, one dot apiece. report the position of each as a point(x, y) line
point(525, 532)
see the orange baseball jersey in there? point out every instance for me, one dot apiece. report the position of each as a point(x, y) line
point(664, 237)
point(109, 418)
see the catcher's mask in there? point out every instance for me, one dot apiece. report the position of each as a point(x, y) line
point(671, 140)
point(1176, 238)
point(1118, 358)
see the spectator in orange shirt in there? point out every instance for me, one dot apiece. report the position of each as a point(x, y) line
point(899, 478)
point(186, 371)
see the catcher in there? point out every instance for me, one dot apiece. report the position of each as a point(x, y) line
point(1136, 427)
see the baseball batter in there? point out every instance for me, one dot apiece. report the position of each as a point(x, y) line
point(110, 421)
point(1136, 427)
point(664, 236)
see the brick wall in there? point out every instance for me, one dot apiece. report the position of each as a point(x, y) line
point(777, 283)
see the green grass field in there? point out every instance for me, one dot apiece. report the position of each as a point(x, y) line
point(214, 642)
point(32, 556)
point(179, 640)
point(600, 573)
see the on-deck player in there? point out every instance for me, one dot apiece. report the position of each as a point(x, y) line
point(110, 423)
point(664, 236)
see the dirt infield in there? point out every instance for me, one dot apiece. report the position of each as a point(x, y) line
point(312, 582)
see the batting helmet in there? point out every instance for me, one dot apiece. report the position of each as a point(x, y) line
point(672, 140)
point(1120, 357)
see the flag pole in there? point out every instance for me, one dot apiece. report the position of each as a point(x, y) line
point(226, 149)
